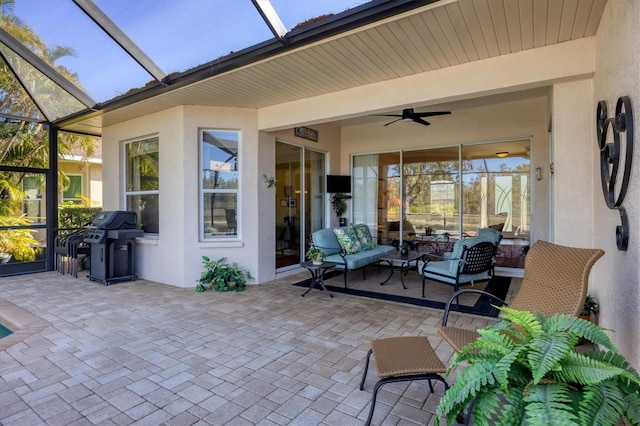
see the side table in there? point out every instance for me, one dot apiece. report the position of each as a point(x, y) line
point(404, 263)
point(317, 274)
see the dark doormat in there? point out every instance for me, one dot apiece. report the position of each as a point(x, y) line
point(482, 305)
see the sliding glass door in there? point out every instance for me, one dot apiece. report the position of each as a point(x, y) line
point(300, 201)
point(440, 195)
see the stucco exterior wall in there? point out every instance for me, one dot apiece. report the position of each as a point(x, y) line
point(573, 146)
point(616, 281)
point(157, 258)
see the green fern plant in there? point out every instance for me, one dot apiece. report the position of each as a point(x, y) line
point(525, 371)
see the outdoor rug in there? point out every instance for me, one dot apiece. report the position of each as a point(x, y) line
point(436, 294)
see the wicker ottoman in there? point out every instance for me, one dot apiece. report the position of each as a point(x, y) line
point(401, 359)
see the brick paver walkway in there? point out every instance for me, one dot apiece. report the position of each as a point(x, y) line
point(148, 354)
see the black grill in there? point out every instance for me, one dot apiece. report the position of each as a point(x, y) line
point(111, 236)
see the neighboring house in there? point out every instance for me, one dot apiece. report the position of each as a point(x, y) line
point(85, 178)
point(184, 157)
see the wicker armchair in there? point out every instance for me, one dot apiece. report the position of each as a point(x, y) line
point(555, 281)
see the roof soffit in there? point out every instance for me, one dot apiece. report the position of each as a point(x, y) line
point(438, 36)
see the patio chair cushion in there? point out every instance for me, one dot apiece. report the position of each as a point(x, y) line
point(327, 241)
point(347, 239)
point(364, 236)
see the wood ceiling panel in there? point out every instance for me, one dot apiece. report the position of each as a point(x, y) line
point(459, 25)
point(395, 40)
point(436, 30)
point(421, 53)
point(394, 59)
point(475, 29)
point(486, 23)
point(430, 46)
point(362, 44)
point(499, 20)
point(342, 69)
point(554, 18)
point(594, 17)
point(581, 18)
point(569, 10)
point(539, 22)
point(352, 61)
point(526, 23)
point(452, 34)
point(364, 62)
point(430, 41)
point(514, 25)
point(387, 60)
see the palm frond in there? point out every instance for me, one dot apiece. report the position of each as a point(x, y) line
point(616, 359)
point(465, 388)
point(550, 404)
point(504, 366)
point(487, 408)
point(601, 404)
point(580, 327)
point(632, 408)
point(527, 321)
point(546, 351)
point(584, 370)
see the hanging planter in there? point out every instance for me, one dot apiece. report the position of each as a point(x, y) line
point(339, 206)
point(269, 181)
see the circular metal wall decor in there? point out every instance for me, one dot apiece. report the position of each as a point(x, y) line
point(615, 160)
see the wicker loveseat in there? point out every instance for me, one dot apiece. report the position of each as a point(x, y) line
point(348, 258)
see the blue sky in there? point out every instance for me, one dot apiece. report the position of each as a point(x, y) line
point(176, 34)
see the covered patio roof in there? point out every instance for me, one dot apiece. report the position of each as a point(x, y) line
point(376, 41)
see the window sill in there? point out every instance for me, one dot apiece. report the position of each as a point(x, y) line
point(221, 243)
point(148, 240)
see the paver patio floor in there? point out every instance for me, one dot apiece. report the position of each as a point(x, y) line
point(148, 354)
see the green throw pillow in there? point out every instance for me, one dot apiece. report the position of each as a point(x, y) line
point(364, 236)
point(347, 239)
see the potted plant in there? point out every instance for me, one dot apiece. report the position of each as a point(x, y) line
point(404, 249)
point(222, 276)
point(339, 206)
point(525, 370)
point(591, 306)
point(315, 255)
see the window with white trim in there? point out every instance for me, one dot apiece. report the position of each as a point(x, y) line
point(73, 189)
point(142, 186)
point(219, 184)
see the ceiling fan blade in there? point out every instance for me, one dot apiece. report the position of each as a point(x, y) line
point(391, 122)
point(386, 115)
point(430, 114)
point(421, 121)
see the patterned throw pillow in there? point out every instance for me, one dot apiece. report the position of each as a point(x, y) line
point(364, 236)
point(347, 240)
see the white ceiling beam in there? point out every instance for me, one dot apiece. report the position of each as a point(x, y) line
point(119, 36)
point(270, 16)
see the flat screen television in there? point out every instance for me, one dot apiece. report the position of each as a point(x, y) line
point(338, 184)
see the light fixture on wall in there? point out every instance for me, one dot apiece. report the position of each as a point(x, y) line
point(502, 154)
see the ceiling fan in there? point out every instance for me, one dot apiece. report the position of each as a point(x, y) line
point(410, 115)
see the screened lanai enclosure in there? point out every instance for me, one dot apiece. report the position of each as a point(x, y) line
point(63, 59)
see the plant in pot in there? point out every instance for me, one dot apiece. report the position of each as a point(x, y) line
point(315, 255)
point(590, 307)
point(525, 371)
point(404, 249)
point(339, 206)
point(222, 276)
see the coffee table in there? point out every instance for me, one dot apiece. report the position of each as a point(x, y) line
point(317, 272)
point(400, 263)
